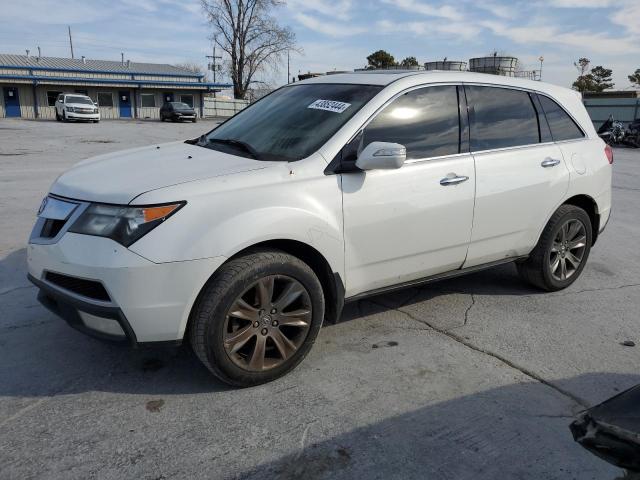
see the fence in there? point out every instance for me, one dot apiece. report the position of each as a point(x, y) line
point(216, 107)
point(624, 110)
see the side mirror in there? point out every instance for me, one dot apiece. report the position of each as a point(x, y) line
point(381, 156)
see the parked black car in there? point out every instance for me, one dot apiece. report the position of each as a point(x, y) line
point(177, 111)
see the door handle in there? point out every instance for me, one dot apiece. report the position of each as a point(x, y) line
point(453, 179)
point(550, 162)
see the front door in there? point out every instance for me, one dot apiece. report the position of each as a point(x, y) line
point(521, 173)
point(11, 102)
point(168, 97)
point(125, 104)
point(409, 223)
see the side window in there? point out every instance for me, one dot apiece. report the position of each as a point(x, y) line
point(545, 131)
point(500, 118)
point(425, 121)
point(562, 125)
point(52, 97)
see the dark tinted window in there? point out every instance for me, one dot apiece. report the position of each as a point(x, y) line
point(562, 125)
point(52, 97)
point(500, 118)
point(425, 121)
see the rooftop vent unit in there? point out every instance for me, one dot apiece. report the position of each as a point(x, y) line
point(494, 65)
point(446, 65)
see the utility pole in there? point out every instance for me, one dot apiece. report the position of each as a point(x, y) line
point(288, 66)
point(541, 60)
point(213, 65)
point(70, 40)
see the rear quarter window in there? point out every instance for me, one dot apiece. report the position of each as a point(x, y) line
point(501, 118)
point(562, 125)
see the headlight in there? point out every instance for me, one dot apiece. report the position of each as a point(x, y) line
point(123, 224)
point(71, 109)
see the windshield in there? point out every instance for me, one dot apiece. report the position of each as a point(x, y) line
point(291, 123)
point(77, 99)
point(180, 106)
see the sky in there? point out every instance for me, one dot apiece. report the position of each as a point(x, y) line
point(338, 35)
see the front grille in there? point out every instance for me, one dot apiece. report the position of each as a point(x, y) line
point(80, 286)
point(51, 228)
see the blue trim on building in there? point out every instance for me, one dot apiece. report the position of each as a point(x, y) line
point(139, 83)
point(112, 72)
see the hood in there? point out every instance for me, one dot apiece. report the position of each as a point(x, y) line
point(121, 176)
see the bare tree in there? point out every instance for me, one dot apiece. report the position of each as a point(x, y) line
point(191, 67)
point(247, 32)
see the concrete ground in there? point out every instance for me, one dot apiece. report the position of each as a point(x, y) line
point(472, 378)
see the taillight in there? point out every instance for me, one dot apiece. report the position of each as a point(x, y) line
point(608, 151)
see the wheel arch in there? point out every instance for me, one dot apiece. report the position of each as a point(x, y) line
point(332, 283)
point(589, 205)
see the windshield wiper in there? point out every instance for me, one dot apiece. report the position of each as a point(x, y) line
point(235, 143)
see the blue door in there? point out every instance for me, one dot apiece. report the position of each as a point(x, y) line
point(11, 102)
point(125, 104)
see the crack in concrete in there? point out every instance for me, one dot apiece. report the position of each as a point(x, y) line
point(457, 338)
point(586, 290)
point(5, 292)
point(466, 312)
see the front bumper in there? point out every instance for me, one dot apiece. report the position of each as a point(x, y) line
point(103, 322)
point(145, 302)
point(82, 116)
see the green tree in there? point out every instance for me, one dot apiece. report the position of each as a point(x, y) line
point(601, 78)
point(409, 62)
point(381, 59)
point(584, 83)
point(635, 78)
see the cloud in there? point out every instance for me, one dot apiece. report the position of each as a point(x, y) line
point(561, 38)
point(329, 28)
point(423, 8)
point(340, 9)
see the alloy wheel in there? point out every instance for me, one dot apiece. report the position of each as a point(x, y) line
point(268, 323)
point(568, 249)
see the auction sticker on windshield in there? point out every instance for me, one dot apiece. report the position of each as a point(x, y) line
point(330, 106)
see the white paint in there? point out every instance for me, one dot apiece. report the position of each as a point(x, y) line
point(375, 229)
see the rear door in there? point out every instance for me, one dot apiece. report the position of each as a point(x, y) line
point(415, 221)
point(521, 174)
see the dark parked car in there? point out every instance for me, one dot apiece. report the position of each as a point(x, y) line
point(176, 111)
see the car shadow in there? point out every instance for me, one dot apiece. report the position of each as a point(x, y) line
point(519, 430)
point(43, 356)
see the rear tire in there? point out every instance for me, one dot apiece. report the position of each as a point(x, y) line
point(562, 250)
point(246, 298)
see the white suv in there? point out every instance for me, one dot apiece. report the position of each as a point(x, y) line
point(244, 240)
point(75, 106)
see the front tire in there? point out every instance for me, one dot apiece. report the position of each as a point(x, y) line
point(562, 251)
point(257, 317)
